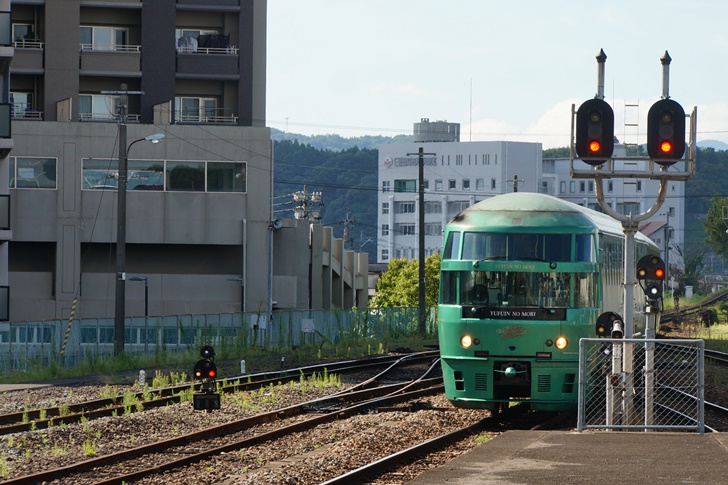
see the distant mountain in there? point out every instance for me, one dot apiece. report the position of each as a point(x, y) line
point(714, 144)
point(337, 142)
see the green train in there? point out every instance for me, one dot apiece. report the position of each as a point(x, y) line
point(524, 276)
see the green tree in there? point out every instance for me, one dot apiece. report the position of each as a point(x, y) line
point(398, 286)
point(715, 226)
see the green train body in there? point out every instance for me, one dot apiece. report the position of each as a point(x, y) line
point(523, 274)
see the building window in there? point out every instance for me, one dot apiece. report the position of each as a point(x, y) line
point(386, 186)
point(451, 184)
point(433, 229)
point(582, 186)
point(425, 184)
point(458, 159)
point(385, 207)
point(438, 185)
point(671, 211)
point(572, 186)
point(32, 173)
point(22, 105)
point(103, 38)
point(562, 187)
point(23, 33)
point(610, 186)
point(639, 186)
point(466, 184)
point(432, 207)
point(479, 184)
point(405, 229)
point(385, 254)
point(185, 176)
point(98, 106)
point(385, 229)
point(198, 110)
point(492, 184)
point(201, 40)
point(626, 208)
point(404, 207)
point(591, 186)
point(194, 176)
point(405, 185)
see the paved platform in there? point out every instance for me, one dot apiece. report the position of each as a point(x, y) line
point(539, 457)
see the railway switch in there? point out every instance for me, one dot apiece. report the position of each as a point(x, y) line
point(206, 370)
point(666, 132)
point(594, 131)
point(651, 275)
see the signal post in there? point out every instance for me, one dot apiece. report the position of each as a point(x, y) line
point(592, 141)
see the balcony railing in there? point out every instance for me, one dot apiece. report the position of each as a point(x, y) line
point(132, 118)
point(24, 111)
point(28, 44)
point(110, 48)
point(219, 115)
point(207, 50)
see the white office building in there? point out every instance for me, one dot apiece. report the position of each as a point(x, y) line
point(460, 174)
point(456, 176)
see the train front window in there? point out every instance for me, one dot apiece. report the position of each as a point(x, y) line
point(507, 288)
point(514, 247)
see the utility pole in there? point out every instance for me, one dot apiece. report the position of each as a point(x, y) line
point(348, 223)
point(421, 240)
point(515, 182)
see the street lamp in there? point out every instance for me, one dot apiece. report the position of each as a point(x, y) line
point(145, 279)
point(120, 301)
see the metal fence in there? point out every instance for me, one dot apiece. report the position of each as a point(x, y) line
point(641, 384)
point(23, 344)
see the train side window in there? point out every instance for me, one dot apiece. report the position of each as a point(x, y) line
point(452, 245)
point(584, 251)
point(448, 287)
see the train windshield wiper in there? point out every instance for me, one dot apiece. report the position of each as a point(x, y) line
point(489, 258)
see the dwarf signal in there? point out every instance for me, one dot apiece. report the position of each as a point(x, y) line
point(205, 369)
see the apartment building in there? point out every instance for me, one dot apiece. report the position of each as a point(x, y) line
point(198, 201)
point(6, 145)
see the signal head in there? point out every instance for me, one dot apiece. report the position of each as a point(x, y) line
point(207, 352)
point(666, 132)
point(594, 131)
point(205, 369)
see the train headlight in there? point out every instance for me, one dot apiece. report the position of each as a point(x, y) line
point(561, 343)
point(466, 341)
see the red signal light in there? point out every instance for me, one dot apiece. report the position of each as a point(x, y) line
point(666, 147)
point(660, 273)
point(211, 373)
point(594, 146)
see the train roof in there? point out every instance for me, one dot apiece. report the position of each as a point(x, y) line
point(528, 209)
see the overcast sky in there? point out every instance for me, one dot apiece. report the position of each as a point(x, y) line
point(358, 67)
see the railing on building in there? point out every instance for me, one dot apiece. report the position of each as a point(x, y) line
point(207, 115)
point(207, 50)
point(25, 111)
point(23, 344)
point(110, 48)
point(131, 118)
point(28, 44)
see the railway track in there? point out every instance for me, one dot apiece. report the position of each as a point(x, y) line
point(130, 402)
point(127, 465)
point(674, 317)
